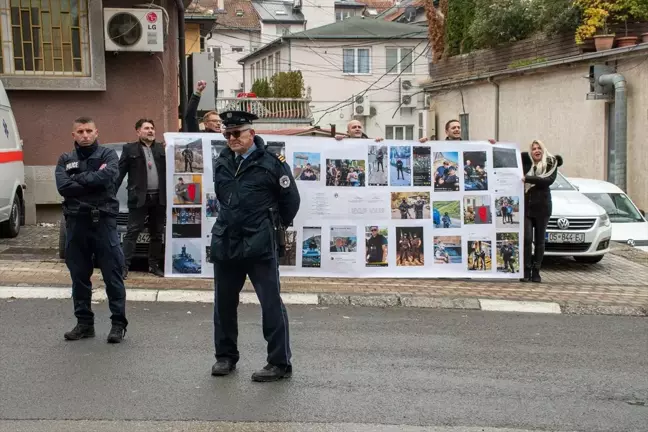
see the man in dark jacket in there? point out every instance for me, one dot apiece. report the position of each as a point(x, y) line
point(211, 120)
point(144, 161)
point(86, 179)
point(258, 197)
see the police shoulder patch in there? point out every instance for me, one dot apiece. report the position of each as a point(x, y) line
point(281, 157)
point(284, 181)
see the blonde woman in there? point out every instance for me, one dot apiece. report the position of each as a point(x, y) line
point(540, 171)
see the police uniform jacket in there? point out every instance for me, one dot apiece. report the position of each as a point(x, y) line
point(537, 200)
point(83, 185)
point(133, 163)
point(255, 198)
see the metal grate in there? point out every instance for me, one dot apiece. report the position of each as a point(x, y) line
point(45, 37)
point(575, 224)
point(567, 247)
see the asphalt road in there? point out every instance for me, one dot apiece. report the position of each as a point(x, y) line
point(355, 369)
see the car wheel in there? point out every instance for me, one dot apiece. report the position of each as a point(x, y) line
point(588, 259)
point(62, 239)
point(11, 228)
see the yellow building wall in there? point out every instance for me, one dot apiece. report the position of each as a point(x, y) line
point(192, 38)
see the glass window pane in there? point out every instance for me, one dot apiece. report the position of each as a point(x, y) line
point(406, 63)
point(399, 132)
point(392, 59)
point(389, 132)
point(363, 61)
point(348, 63)
point(409, 132)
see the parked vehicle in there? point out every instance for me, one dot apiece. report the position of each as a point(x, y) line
point(629, 223)
point(141, 248)
point(577, 227)
point(12, 171)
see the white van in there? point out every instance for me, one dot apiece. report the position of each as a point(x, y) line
point(12, 171)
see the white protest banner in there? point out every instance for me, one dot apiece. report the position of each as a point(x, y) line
point(443, 209)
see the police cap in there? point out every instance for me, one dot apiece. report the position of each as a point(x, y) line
point(233, 119)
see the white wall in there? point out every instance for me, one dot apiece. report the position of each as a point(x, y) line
point(269, 31)
point(318, 12)
point(321, 65)
point(230, 73)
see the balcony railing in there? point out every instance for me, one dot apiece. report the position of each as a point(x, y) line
point(269, 109)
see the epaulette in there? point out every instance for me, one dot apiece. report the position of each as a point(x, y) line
point(281, 157)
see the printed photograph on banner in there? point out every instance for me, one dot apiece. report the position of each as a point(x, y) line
point(378, 157)
point(306, 166)
point(422, 166)
point(344, 239)
point(477, 210)
point(217, 146)
point(409, 247)
point(507, 210)
point(400, 166)
point(186, 256)
point(345, 172)
point(208, 254)
point(312, 247)
point(290, 255)
point(187, 189)
point(446, 214)
point(504, 158)
point(211, 206)
point(410, 205)
point(376, 239)
point(475, 175)
point(188, 156)
point(277, 147)
point(508, 252)
point(445, 165)
point(186, 222)
point(479, 255)
point(447, 250)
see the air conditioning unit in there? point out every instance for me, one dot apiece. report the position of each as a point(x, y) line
point(361, 106)
point(407, 91)
point(134, 30)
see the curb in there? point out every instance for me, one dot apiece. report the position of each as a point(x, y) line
point(380, 301)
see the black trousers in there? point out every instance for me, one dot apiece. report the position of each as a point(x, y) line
point(535, 229)
point(136, 223)
point(229, 278)
point(83, 240)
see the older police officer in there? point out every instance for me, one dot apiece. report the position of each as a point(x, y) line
point(257, 196)
point(86, 179)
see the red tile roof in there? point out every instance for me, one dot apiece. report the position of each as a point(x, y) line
point(379, 5)
point(249, 20)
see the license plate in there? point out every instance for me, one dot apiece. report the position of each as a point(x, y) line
point(141, 238)
point(565, 238)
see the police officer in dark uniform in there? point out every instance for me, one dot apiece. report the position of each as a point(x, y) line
point(258, 199)
point(86, 178)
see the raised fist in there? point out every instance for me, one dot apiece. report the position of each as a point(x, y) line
point(200, 86)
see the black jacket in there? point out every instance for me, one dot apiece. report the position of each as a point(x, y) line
point(82, 183)
point(537, 201)
point(255, 199)
point(191, 113)
point(133, 163)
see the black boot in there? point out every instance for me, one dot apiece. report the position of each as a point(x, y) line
point(535, 274)
point(272, 373)
point(527, 274)
point(223, 367)
point(117, 333)
point(80, 331)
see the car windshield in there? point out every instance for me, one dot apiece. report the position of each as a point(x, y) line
point(562, 184)
point(618, 206)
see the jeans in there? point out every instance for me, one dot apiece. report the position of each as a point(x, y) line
point(535, 229)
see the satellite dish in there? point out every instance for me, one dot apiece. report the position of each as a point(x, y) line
point(124, 29)
point(410, 13)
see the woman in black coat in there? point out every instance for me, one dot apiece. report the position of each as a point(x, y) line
point(540, 171)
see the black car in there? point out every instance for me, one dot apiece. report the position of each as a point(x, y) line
point(141, 248)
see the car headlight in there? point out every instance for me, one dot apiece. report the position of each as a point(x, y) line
point(604, 221)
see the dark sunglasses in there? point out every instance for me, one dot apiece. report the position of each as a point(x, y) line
point(235, 134)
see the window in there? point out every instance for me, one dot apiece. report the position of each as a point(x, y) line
point(271, 66)
point(356, 61)
point(252, 74)
point(237, 49)
point(216, 50)
point(618, 206)
point(283, 30)
point(399, 60)
point(343, 14)
point(44, 38)
point(421, 125)
point(264, 69)
point(399, 132)
point(221, 93)
point(277, 62)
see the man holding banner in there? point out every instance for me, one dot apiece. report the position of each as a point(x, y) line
point(258, 197)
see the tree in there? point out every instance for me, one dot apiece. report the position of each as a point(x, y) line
point(261, 88)
point(436, 27)
point(288, 85)
point(557, 16)
point(457, 30)
point(501, 21)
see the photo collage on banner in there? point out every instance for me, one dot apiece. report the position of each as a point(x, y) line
point(388, 209)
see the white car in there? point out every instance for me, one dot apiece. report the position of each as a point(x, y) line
point(577, 227)
point(628, 222)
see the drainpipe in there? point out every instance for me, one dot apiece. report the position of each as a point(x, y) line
point(620, 126)
point(182, 74)
point(497, 105)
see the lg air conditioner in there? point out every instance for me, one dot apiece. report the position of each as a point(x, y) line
point(361, 107)
point(134, 30)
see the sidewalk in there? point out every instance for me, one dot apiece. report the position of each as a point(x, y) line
point(617, 285)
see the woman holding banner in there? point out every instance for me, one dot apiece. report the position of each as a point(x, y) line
point(541, 169)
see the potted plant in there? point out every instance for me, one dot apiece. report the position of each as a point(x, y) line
point(624, 10)
point(595, 16)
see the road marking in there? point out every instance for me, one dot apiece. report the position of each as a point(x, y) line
point(519, 306)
